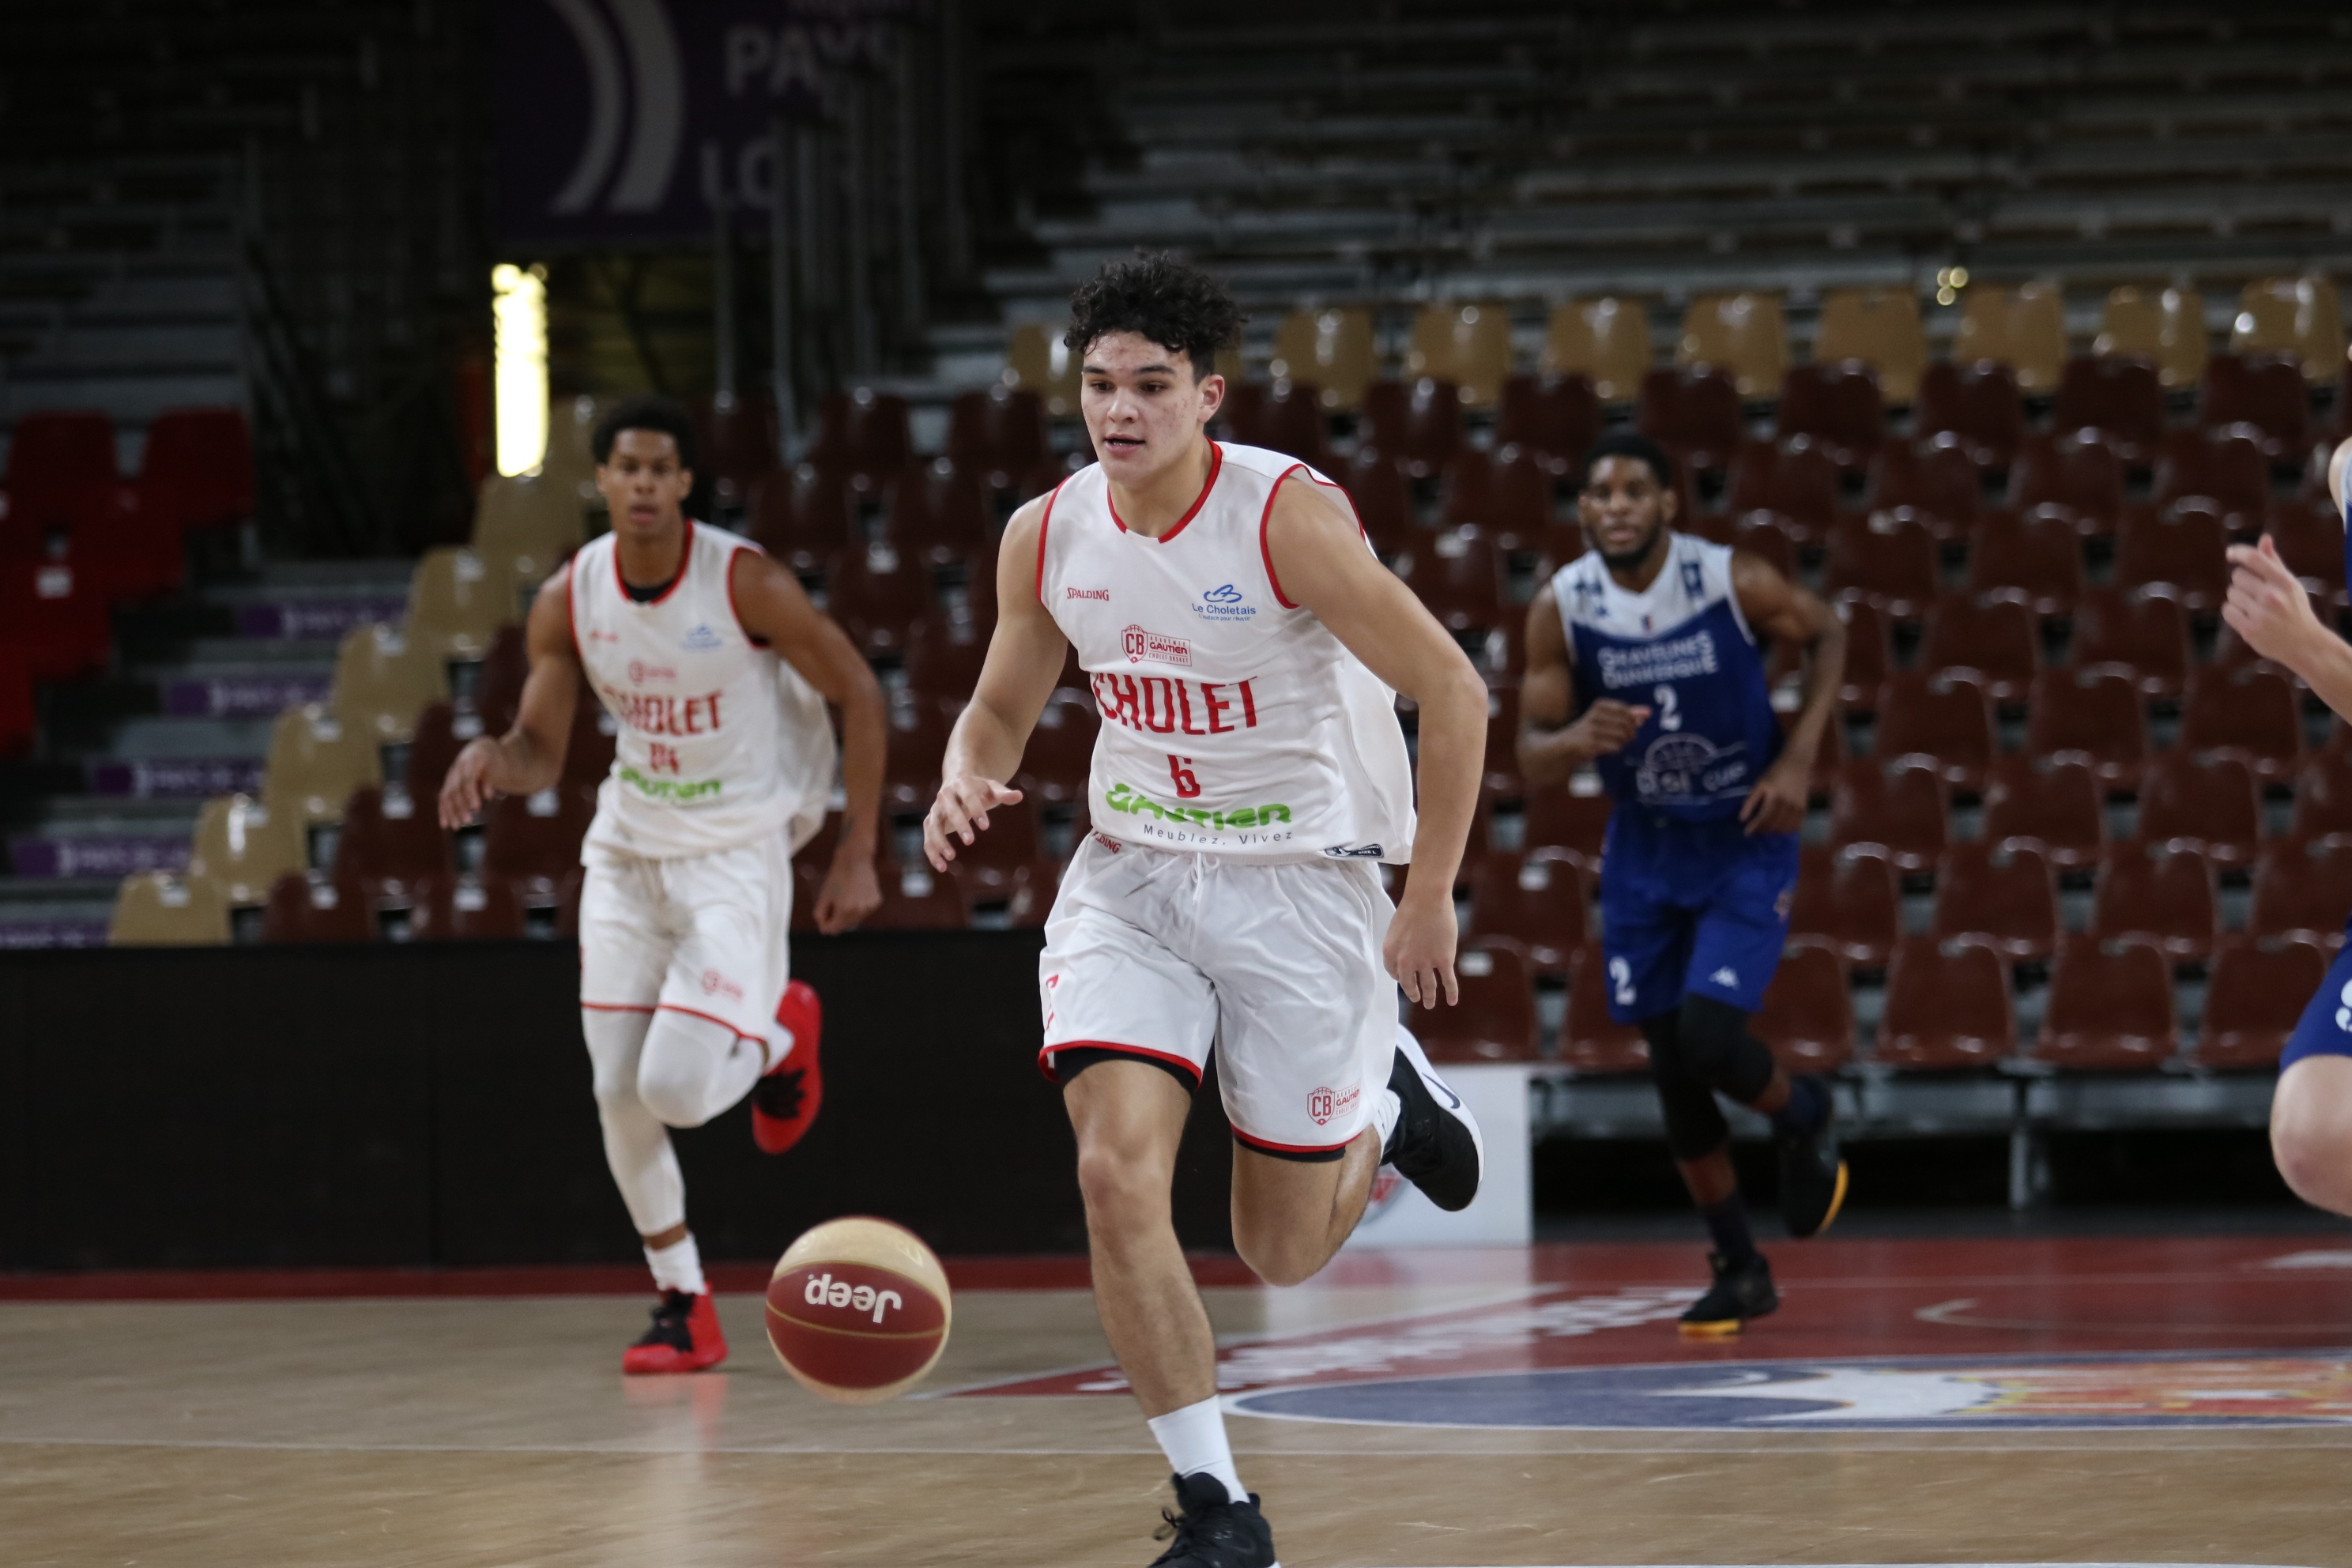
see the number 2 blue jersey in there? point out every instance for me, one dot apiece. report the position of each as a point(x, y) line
point(1681, 649)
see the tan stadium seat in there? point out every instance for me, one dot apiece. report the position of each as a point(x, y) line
point(156, 909)
point(2166, 327)
point(1881, 328)
point(527, 525)
point(1606, 339)
point(457, 600)
point(2299, 316)
point(242, 846)
point(1036, 360)
point(570, 468)
point(383, 679)
point(1467, 344)
point(1745, 334)
point(2024, 329)
point(315, 762)
point(1331, 351)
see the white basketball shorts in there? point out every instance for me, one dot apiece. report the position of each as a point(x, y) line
point(1159, 955)
point(701, 934)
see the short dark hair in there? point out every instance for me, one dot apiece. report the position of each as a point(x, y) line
point(1628, 442)
point(1162, 299)
point(649, 411)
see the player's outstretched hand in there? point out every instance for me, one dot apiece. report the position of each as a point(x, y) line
point(1419, 951)
point(1776, 804)
point(1607, 726)
point(2267, 607)
point(850, 892)
point(468, 785)
point(960, 811)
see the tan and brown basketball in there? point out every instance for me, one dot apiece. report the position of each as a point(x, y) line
point(859, 1310)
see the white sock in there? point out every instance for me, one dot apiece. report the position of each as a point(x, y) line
point(679, 1266)
point(1386, 1109)
point(1194, 1438)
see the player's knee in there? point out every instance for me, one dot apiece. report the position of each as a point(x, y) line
point(1278, 1254)
point(674, 1074)
point(2313, 1151)
point(1719, 1050)
point(1694, 1122)
point(1121, 1188)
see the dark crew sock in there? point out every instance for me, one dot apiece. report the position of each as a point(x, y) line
point(1727, 1222)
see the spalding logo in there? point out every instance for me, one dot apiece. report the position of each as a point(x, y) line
point(822, 1291)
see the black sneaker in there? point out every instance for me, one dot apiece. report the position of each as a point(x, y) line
point(1740, 1291)
point(1812, 1177)
point(1437, 1145)
point(1212, 1531)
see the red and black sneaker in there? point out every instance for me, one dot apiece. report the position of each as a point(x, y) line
point(784, 1102)
point(683, 1337)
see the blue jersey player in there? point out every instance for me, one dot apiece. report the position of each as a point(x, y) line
point(1652, 643)
point(2311, 1113)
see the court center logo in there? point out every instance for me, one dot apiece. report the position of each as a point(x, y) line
point(636, 89)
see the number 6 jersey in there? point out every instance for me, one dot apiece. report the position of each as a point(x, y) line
point(1233, 722)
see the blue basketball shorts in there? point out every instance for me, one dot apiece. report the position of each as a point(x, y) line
point(2325, 1026)
point(1698, 909)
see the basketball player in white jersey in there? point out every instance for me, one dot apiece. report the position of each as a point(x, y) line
point(1244, 643)
point(718, 669)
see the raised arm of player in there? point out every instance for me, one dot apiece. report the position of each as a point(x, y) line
point(1025, 655)
point(1550, 747)
point(1781, 611)
point(529, 756)
point(2269, 609)
point(1317, 555)
point(773, 607)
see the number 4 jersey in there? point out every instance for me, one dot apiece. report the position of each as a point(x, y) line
point(1681, 649)
point(1233, 722)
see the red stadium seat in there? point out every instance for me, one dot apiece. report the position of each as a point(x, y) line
point(54, 613)
point(465, 909)
point(1848, 902)
point(1506, 495)
point(588, 755)
point(1000, 854)
point(1837, 407)
point(2092, 717)
point(1995, 641)
point(1940, 719)
point(1888, 560)
point(2250, 714)
point(2158, 894)
point(1591, 1041)
point(2302, 888)
point(918, 900)
point(2181, 550)
point(2254, 996)
point(19, 719)
point(1901, 810)
point(1384, 502)
point(2209, 806)
point(1023, 895)
point(2117, 395)
point(2139, 635)
point(1556, 420)
point(939, 665)
point(2081, 480)
point(2323, 795)
point(2229, 472)
point(937, 514)
point(2110, 1008)
point(1061, 748)
point(2037, 559)
point(314, 907)
point(1287, 417)
point(1806, 1016)
point(736, 435)
point(1458, 574)
point(391, 847)
point(1694, 412)
point(1793, 481)
point(801, 516)
point(918, 740)
point(497, 684)
point(1417, 427)
point(2001, 897)
point(863, 435)
point(1559, 818)
point(61, 463)
point(1867, 659)
point(1496, 1019)
point(1934, 484)
point(2263, 399)
point(536, 837)
point(1537, 903)
point(1767, 542)
point(2309, 537)
point(1977, 405)
point(878, 596)
point(996, 435)
point(1947, 1008)
point(2052, 808)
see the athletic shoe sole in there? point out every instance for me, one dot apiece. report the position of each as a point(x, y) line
point(1448, 1100)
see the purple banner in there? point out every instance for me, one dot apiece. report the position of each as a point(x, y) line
point(244, 695)
point(174, 778)
point(625, 118)
point(98, 855)
point(313, 620)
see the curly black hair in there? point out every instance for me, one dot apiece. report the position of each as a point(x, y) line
point(645, 412)
point(1161, 298)
point(1630, 443)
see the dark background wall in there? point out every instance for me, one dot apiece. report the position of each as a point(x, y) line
point(430, 1105)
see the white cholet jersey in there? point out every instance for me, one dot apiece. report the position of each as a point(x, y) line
point(1235, 723)
point(721, 743)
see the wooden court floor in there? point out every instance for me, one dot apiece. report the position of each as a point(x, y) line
point(2149, 1400)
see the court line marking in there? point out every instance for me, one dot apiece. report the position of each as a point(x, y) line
point(1948, 1314)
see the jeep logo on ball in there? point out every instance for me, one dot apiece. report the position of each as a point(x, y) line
point(822, 1291)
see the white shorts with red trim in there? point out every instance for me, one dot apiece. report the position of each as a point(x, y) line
point(1161, 955)
point(706, 935)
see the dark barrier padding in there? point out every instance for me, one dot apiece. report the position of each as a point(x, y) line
point(430, 1105)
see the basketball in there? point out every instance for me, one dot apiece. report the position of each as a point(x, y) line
point(859, 1310)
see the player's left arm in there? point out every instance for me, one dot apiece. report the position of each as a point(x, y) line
point(1785, 612)
point(1320, 561)
point(2268, 607)
point(773, 606)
